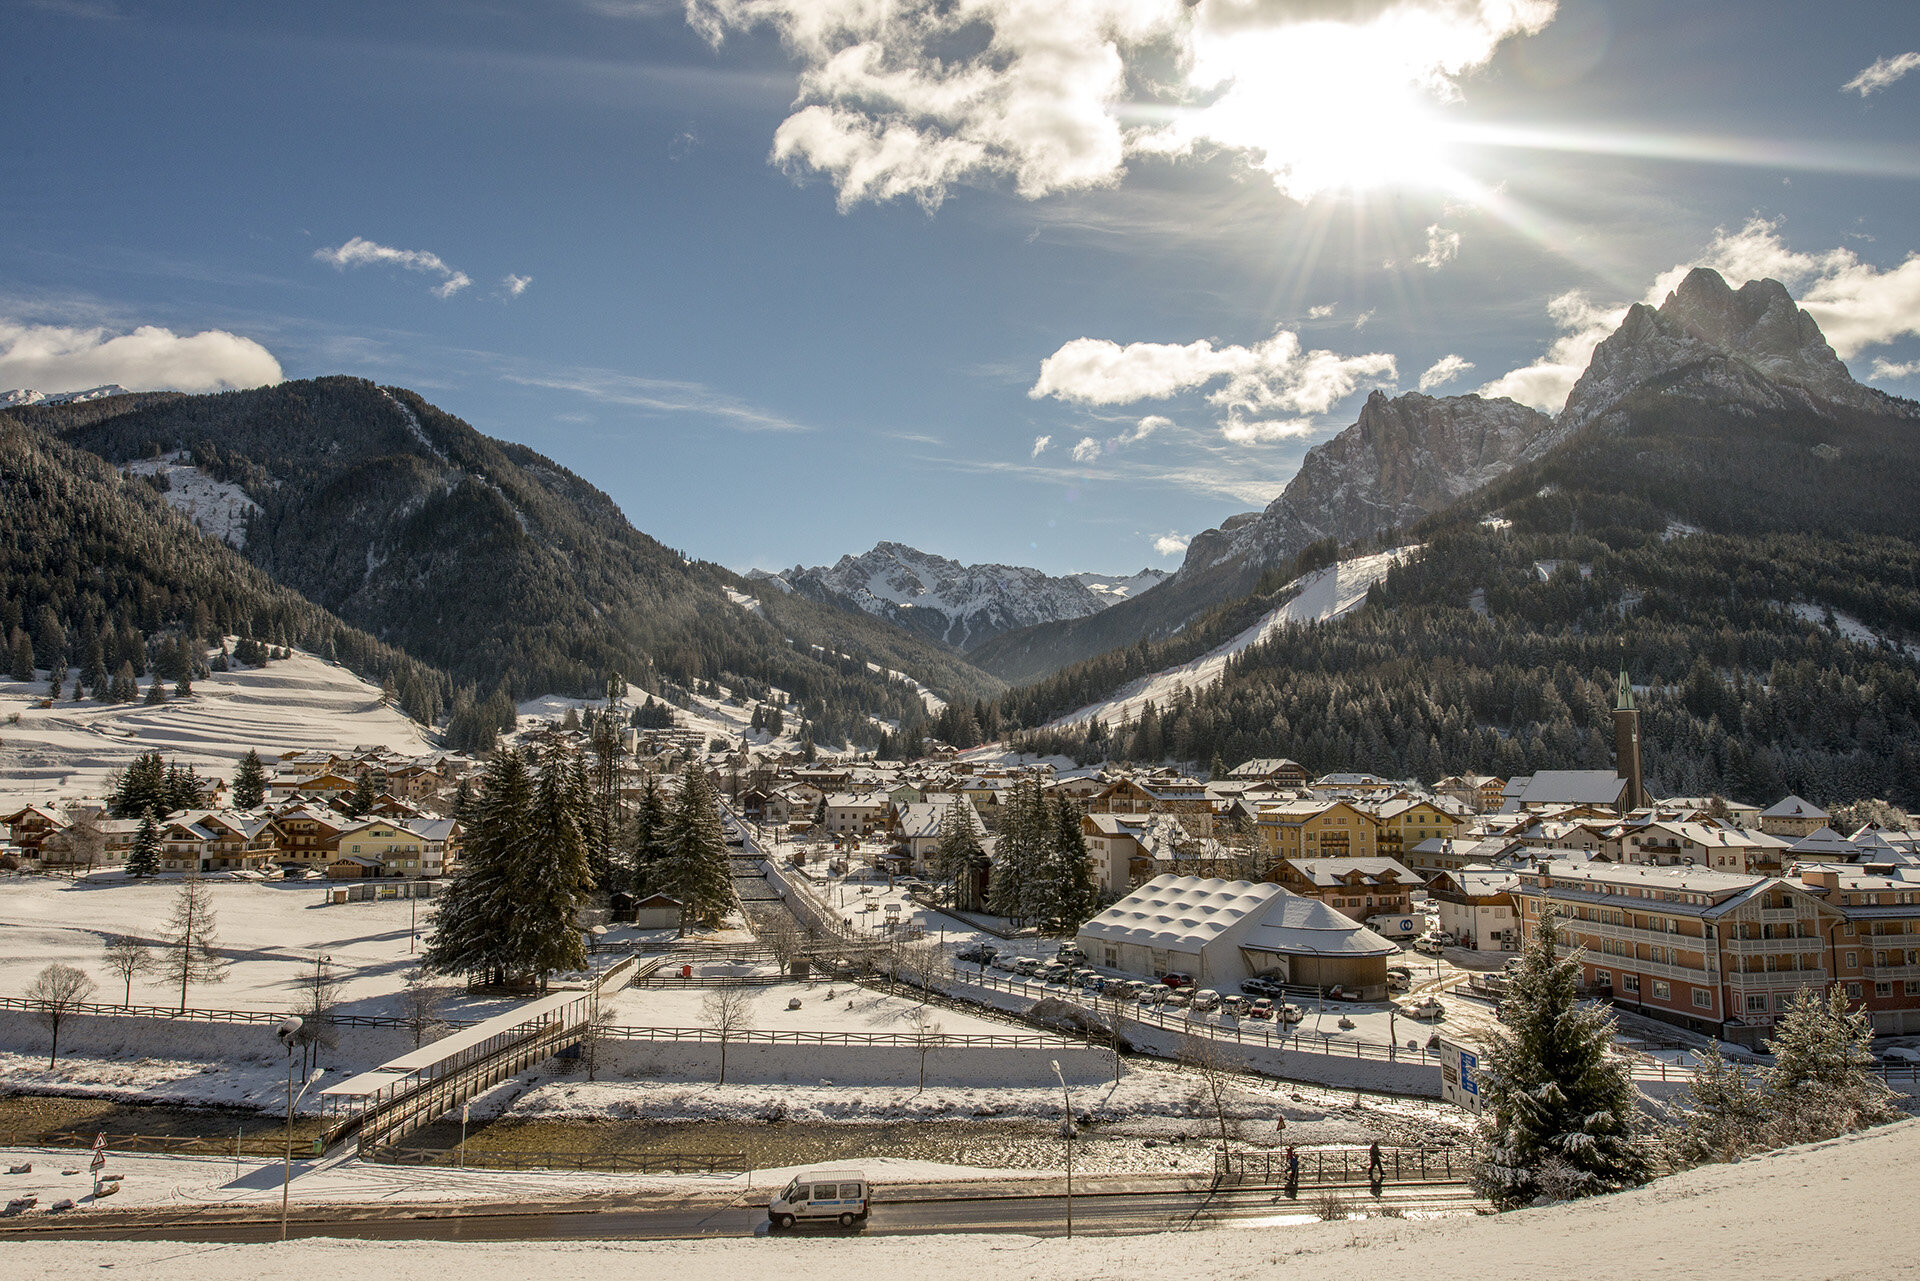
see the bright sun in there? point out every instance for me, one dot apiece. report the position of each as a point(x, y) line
point(1321, 109)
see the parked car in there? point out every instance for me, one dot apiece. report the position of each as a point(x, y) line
point(1290, 1013)
point(1428, 945)
point(1008, 963)
point(837, 1196)
point(1262, 1008)
point(1234, 1005)
point(1177, 979)
point(1093, 984)
point(1427, 1007)
point(1514, 963)
point(1025, 966)
point(1206, 999)
point(1399, 979)
point(1177, 1000)
point(1260, 987)
point(978, 954)
point(1155, 994)
point(1126, 989)
point(1070, 953)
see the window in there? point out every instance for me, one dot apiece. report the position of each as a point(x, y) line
point(1853, 960)
point(1853, 991)
point(1756, 1005)
point(1913, 987)
point(1603, 978)
point(1883, 989)
point(1631, 982)
point(1662, 991)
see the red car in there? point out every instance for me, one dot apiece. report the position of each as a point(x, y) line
point(1177, 980)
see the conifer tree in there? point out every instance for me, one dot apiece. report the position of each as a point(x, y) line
point(1821, 1084)
point(693, 858)
point(360, 801)
point(958, 857)
point(1559, 1107)
point(144, 858)
point(1069, 880)
point(126, 686)
point(645, 837)
point(549, 879)
point(188, 941)
point(249, 781)
point(472, 928)
point(156, 693)
point(22, 656)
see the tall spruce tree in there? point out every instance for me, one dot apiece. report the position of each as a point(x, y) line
point(472, 929)
point(958, 858)
point(1069, 880)
point(693, 858)
point(1559, 1108)
point(548, 879)
point(645, 837)
point(144, 858)
point(1018, 889)
point(360, 801)
point(249, 781)
point(1821, 1084)
point(189, 943)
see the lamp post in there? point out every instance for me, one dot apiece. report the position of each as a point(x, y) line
point(287, 1029)
point(1067, 1133)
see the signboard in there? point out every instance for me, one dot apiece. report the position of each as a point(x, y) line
point(99, 1154)
point(1460, 1082)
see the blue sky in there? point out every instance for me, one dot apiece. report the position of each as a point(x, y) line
point(832, 278)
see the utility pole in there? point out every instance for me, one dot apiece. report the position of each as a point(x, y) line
point(1067, 1133)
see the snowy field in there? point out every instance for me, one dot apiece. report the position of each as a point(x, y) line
point(270, 930)
point(1324, 594)
point(1722, 1220)
point(852, 1008)
point(219, 508)
point(299, 703)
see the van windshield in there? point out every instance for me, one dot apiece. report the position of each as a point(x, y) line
point(791, 1188)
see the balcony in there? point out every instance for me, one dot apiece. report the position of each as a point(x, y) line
point(1777, 980)
point(1755, 947)
point(1775, 915)
point(1885, 973)
point(1653, 969)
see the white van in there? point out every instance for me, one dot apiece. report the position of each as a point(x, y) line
point(838, 1195)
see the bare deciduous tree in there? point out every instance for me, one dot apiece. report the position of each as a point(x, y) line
point(319, 995)
point(726, 1012)
point(56, 992)
point(927, 1036)
point(127, 956)
point(781, 936)
point(1214, 1064)
point(85, 840)
point(593, 1036)
point(420, 1002)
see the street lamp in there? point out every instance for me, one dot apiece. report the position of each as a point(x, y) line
point(288, 1030)
point(1066, 1132)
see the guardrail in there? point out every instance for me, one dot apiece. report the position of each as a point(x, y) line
point(1397, 1165)
point(636, 1162)
point(912, 1040)
point(270, 1143)
point(222, 1016)
point(1260, 1032)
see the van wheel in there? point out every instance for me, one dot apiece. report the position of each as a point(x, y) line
point(783, 1221)
point(846, 1220)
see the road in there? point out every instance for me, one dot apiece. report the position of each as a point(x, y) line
point(693, 1218)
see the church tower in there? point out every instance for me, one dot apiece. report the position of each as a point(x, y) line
point(1626, 746)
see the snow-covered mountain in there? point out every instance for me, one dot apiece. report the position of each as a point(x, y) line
point(23, 396)
point(958, 605)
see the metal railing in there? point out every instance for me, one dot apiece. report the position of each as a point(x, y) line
point(635, 1162)
point(271, 1142)
point(1268, 1168)
point(221, 1016)
point(910, 1040)
point(1241, 1031)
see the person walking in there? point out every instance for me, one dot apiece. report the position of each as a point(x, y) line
point(1293, 1173)
point(1376, 1168)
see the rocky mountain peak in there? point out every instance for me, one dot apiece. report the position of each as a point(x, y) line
point(1730, 335)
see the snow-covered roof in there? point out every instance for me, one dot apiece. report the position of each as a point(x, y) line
point(1181, 911)
point(1823, 842)
point(1335, 871)
point(1293, 925)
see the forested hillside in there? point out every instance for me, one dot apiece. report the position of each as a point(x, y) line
point(96, 571)
point(498, 564)
point(1750, 557)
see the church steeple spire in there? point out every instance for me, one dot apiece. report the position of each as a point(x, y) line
point(1626, 745)
point(1623, 701)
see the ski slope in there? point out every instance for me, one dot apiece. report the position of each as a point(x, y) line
point(297, 703)
point(1324, 594)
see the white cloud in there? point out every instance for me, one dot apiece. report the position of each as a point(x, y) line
point(1895, 370)
point(1545, 383)
point(1169, 544)
point(1443, 370)
point(62, 358)
point(515, 285)
point(1321, 312)
point(1087, 450)
point(1040, 444)
point(1882, 73)
point(1243, 432)
point(909, 98)
point(360, 251)
point(1443, 246)
point(1274, 375)
point(1360, 321)
point(657, 395)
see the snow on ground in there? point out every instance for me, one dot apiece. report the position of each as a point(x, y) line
point(297, 703)
point(1114, 588)
point(1324, 594)
point(853, 1009)
point(1720, 1220)
point(218, 507)
point(271, 930)
point(1850, 628)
